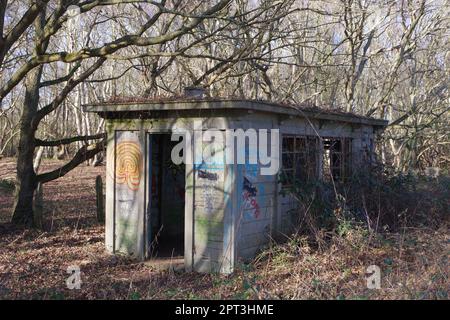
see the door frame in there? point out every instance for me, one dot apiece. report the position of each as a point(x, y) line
point(188, 205)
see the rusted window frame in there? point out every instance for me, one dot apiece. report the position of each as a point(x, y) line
point(304, 154)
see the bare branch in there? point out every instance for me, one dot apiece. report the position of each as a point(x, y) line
point(55, 143)
point(84, 154)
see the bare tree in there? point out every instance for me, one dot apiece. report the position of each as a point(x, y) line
point(378, 58)
point(42, 21)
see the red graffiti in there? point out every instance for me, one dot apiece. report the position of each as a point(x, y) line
point(249, 198)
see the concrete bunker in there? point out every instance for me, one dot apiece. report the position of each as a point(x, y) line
point(211, 215)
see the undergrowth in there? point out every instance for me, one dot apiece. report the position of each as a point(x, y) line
point(397, 222)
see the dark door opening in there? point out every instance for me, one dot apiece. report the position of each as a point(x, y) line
point(166, 191)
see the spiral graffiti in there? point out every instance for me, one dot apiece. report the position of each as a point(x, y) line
point(128, 164)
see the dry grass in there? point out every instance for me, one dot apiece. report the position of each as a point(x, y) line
point(33, 264)
point(414, 265)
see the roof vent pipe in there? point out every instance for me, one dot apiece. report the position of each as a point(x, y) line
point(194, 92)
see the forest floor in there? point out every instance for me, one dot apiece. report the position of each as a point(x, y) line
point(33, 264)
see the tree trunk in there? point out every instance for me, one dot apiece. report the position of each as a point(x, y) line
point(38, 217)
point(26, 181)
point(38, 159)
point(26, 177)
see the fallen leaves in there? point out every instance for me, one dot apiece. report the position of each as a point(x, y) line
point(33, 264)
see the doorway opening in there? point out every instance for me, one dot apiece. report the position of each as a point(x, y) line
point(166, 194)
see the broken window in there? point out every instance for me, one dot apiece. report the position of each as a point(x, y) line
point(299, 158)
point(337, 158)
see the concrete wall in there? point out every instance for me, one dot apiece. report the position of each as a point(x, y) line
point(255, 195)
point(206, 209)
point(125, 185)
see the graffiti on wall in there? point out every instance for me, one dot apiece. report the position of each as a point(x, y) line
point(249, 194)
point(128, 164)
point(210, 188)
point(202, 174)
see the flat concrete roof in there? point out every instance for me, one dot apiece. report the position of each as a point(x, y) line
point(185, 104)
